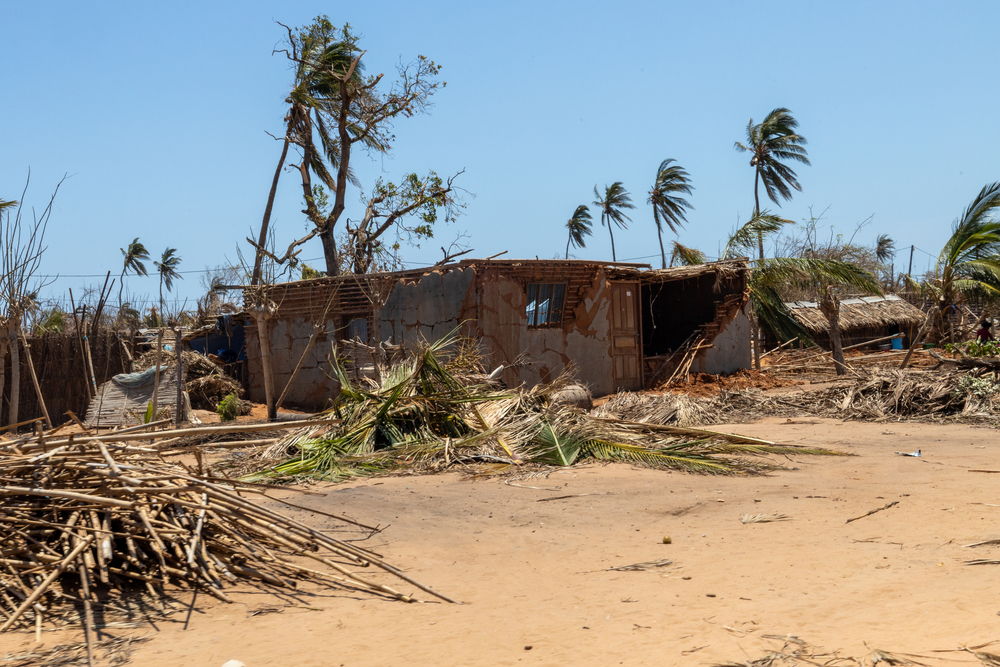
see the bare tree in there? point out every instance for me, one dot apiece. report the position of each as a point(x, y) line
point(22, 243)
point(335, 106)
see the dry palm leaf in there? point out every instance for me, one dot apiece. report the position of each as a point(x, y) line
point(764, 518)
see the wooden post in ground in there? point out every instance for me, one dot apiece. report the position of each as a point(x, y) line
point(179, 408)
point(34, 380)
point(77, 325)
point(15, 371)
point(156, 373)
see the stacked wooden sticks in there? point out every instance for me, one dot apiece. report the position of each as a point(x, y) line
point(94, 523)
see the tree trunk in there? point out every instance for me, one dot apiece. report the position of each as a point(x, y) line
point(756, 210)
point(265, 224)
point(614, 257)
point(15, 372)
point(330, 252)
point(121, 286)
point(3, 366)
point(663, 254)
point(829, 305)
point(567, 246)
point(264, 340)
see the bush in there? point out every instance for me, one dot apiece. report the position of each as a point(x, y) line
point(229, 408)
point(973, 348)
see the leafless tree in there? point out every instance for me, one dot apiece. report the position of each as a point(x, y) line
point(22, 243)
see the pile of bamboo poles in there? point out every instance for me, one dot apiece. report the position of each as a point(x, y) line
point(92, 523)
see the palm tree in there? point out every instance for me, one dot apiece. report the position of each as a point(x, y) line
point(773, 142)
point(769, 277)
point(578, 227)
point(613, 204)
point(969, 262)
point(668, 206)
point(885, 248)
point(167, 268)
point(132, 260)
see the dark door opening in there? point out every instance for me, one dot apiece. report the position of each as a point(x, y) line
point(671, 311)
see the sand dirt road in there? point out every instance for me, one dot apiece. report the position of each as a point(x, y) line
point(534, 574)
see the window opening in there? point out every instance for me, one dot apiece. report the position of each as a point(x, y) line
point(545, 304)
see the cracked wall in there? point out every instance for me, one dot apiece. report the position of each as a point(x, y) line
point(535, 355)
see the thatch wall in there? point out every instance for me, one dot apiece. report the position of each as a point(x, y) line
point(61, 374)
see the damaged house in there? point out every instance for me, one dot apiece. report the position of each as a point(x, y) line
point(623, 326)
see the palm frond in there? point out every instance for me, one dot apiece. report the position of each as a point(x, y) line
point(668, 206)
point(133, 256)
point(613, 204)
point(885, 248)
point(167, 267)
point(746, 237)
point(579, 226)
point(682, 255)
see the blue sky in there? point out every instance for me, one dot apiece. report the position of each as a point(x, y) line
point(160, 113)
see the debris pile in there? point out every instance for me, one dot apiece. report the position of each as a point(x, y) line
point(421, 414)
point(92, 525)
point(875, 395)
point(205, 381)
point(884, 394)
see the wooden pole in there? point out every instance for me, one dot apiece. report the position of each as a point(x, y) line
point(917, 340)
point(79, 339)
point(156, 372)
point(13, 408)
point(34, 380)
point(179, 409)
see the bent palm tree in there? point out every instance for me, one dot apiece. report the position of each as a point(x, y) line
point(668, 206)
point(578, 227)
point(613, 204)
point(167, 268)
point(770, 276)
point(969, 262)
point(773, 142)
point(132, 260)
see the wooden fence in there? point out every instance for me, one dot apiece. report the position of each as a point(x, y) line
point(62, 374)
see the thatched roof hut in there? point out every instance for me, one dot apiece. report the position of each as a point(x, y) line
point(862, 318)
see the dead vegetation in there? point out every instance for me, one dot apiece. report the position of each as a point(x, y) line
point(205, 381)
point(873, 395)
point(101, 526)
point(422, 414)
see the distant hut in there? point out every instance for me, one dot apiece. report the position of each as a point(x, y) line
point(861, 319)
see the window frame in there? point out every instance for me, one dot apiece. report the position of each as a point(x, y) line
point(545, 304)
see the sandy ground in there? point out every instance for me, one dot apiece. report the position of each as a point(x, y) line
point(534, 576)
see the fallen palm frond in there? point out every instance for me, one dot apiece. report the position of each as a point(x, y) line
point(639, 567)
point(85, 526)
point(422, 414)
point(114, 651)
point(795, 652)
point(764, 518)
